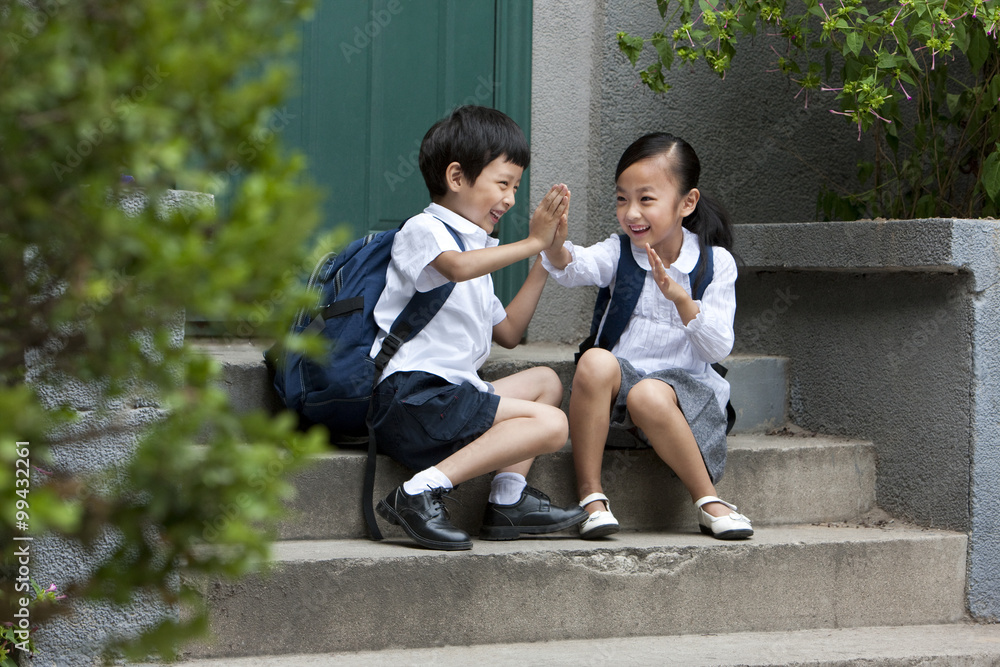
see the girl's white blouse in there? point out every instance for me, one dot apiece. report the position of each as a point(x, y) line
point(655, 337)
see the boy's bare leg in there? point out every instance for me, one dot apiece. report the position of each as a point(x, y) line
point(528, 423)
point(654, 408)
point(595, 386)
point(539, 385)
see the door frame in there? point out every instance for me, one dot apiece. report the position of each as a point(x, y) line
point(512, 76)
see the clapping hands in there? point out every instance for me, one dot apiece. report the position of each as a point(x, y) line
point(549, 224)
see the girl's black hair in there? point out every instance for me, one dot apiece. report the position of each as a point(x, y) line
point(472, 136)
point(709, 220)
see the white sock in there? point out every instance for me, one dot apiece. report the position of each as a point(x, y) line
point(425, 480)
point(506, 488)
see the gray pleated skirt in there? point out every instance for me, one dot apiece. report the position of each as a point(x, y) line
point(700, 408)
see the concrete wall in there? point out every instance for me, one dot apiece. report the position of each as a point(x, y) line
point(890, 330)
point(565, 83)
point(884, 357)
point(763, 153)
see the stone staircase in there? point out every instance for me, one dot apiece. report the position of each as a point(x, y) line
point(827, 578)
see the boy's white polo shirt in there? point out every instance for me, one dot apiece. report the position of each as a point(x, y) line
point(456, 341)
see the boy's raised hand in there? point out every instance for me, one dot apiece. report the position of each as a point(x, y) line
point(562, 230)
point(551, 211)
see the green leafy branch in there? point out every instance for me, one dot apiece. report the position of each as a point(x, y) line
point(887, 62)
point(92, 296)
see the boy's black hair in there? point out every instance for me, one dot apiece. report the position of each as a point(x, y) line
point(709, 220)
point(472, 136)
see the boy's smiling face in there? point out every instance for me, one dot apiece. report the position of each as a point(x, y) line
point(488, 198)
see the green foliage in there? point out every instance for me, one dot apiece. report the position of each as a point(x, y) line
point(175, 94)
point(921, 76)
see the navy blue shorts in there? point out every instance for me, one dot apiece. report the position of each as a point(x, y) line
point(421, 419)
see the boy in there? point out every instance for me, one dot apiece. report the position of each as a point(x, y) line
point(431, 411)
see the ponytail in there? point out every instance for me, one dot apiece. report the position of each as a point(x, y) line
point(713, 226)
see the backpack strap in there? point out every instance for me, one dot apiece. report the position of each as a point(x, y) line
point(698, 286)
point(629, 280)
point(730, 410)
point(422, 307)
point(618, 304)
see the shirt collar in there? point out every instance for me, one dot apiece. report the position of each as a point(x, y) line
point(690, 252)
point(686, 260)
point(460, 224)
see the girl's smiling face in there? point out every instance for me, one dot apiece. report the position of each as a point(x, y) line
point(486, 200)
point(651, 208)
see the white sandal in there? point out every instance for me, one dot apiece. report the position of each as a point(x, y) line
point(602, 522)
point(733, 526)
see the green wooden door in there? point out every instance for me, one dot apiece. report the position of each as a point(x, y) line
point(376, 74)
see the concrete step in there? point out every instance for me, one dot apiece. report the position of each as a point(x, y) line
point(965, 644)
point(759, 383)
point(353, 595)
point(773, 479)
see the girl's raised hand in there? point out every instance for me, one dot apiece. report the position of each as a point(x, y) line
point(671, 290)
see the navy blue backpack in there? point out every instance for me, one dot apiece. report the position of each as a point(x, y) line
point(621, 303)
point(336, 391)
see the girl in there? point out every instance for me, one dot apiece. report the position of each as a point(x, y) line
point(657, 379)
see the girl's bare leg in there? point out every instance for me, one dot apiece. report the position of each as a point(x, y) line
point(595, 386)
point(654, 408)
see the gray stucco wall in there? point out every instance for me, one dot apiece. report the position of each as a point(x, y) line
point(565, 75)
point(763, 153)
point(984, 500)
point(77, 638)
point(884, 357)
point(890, 330)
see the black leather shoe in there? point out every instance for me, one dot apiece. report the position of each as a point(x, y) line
point(424, 518)
point(533, 514)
